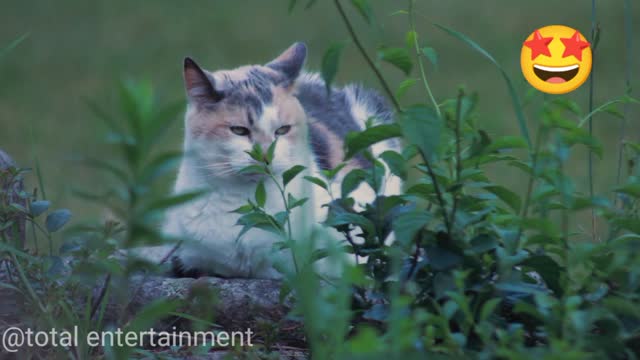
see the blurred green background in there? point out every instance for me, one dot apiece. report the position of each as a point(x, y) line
point(77, 50)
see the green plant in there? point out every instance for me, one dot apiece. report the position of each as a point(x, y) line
point(477, 270)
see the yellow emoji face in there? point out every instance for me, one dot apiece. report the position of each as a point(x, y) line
point(556, 59)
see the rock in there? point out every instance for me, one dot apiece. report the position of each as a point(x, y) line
point(238, 303)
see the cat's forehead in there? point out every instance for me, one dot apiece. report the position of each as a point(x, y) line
point(251, 87)
point(245, 76)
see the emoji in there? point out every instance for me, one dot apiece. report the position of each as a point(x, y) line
point(556, 59)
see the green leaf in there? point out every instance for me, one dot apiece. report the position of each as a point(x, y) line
point(407, 225)
point(396, 163)
point(330, 61)
point(421, 127)
point(509, 197)
point(425, 191)
point(358, 141)
point(293, 203)
point(244, 209)
point(431, 54)
point(39, 207)
point(345, 218)
point(160, 165)
point(506, 142)
point(291, 173)
point(172, 200)
point(515, 100)
point(404, 86)
point(481, 244)
point(548, 269)
point(364, 8)
point(271, 152)
point(629, 189)
point(352, 180)
point(398, 57)
point(331, 173)
point(161, 121)
point(256, 153)
point(488, 308)
point(254, 169)
point(317, 181)
point(442, 259)
point(57, 219)
point(261, 194)
point(259, 220)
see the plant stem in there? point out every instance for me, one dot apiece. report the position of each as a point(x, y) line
point(531, 182)
point(100, 298)
point(628, 63)
point(286, 206)
point(364, 54)
point(458, 152)
point(423, 75)
point(436, 188)
point(591, 86)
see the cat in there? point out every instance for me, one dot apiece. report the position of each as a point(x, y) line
point(228, 112)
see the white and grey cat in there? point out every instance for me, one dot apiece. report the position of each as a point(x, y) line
point(228, 112)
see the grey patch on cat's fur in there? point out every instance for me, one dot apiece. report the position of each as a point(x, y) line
point(335, 111)
point(373, 101)
point(254, 92)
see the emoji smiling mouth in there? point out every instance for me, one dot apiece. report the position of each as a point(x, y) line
point(556, 74)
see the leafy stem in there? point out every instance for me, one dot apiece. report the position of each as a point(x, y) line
point(364, 54)
point(283, 195)
point(423, 75)
point(458, 140)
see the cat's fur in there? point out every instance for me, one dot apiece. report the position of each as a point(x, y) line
point(262, 99)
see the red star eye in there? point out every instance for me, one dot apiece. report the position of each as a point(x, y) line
point(539, 45)
point(574, 46)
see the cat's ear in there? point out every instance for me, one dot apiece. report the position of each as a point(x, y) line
point(200, 86)
point(290, 62)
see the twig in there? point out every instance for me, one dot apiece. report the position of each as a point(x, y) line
point(423, 75)
point(364, 54)
point(98, 300)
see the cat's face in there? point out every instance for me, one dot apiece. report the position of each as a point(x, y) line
point(231, 111)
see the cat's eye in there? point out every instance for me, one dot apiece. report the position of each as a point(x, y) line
point(283, 130)
point(240, 130)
